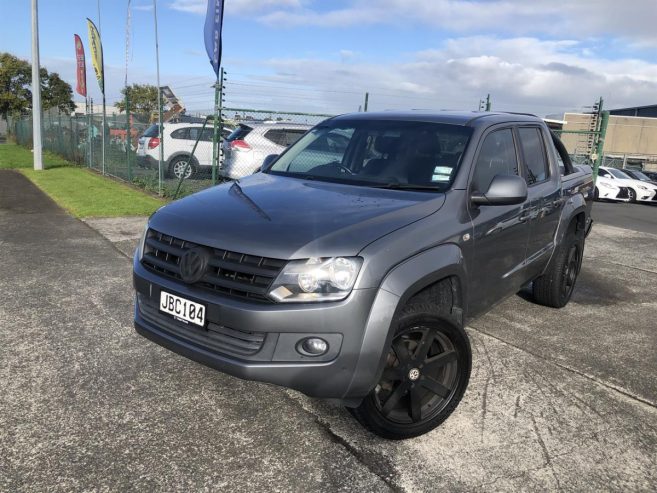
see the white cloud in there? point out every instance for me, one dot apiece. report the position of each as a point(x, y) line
point(632, 20)
point(522, 74)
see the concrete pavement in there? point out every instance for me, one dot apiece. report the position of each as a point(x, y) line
point(641, 217)
point(558, 399)
point(89, 405)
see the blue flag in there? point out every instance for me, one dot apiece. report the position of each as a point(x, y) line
point(212, 32)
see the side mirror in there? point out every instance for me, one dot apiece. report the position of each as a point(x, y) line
point(503, 190)
point(268, 160)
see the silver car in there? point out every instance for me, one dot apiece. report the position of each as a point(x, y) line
point(249, 144)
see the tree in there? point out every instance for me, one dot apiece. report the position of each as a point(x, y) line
point(143, 98)
point(16, 85)
point(56, 93)
point(15, 80)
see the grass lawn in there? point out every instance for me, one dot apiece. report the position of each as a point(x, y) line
point(86, 194)
point(15, 156)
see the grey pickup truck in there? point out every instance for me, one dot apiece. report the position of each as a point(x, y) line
point(348, 266)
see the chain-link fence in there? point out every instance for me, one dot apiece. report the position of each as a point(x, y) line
point(133, 147)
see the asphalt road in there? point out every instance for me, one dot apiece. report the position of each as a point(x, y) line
point(640, 217)
point(559, 399)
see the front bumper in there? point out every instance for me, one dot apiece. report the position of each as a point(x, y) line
point(257, 341)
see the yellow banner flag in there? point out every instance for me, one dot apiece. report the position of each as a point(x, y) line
point(96, 48)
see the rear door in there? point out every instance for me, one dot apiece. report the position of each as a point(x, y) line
point(501, 232)
point(203, 153)
point(544, 194)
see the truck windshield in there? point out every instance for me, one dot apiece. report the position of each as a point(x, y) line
point(379, 153)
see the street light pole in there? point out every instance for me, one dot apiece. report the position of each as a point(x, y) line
point(159, 103)
point(36, 89)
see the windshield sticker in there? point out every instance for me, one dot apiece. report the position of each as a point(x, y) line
point(441, 174)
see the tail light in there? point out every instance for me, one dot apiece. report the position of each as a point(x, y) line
point(153, 142)
point(239, 145)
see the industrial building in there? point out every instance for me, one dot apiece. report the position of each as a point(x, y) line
point(631, 137)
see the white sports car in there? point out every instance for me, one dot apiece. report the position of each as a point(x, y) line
point(637, 190)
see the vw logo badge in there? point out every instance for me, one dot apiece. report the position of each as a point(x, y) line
point(413, 374)
point(193, 264)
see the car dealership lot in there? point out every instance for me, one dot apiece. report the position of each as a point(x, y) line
point(559, 399)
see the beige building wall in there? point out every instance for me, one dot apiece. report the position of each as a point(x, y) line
point(629, 135)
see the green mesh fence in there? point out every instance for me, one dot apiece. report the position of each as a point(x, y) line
point(247, 137)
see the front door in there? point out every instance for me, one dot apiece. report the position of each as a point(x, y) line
point(501, 232)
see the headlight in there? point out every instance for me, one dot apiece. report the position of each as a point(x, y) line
point(606, 185)
point(316, 279)
point(642, 187)
point(142, 242)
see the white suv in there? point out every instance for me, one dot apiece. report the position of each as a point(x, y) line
point(179, 140)
point(246, 148)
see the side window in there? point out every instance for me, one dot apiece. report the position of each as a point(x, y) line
point(604, 173)
point(207, 134)
point(181, 133)
point(194, 133)
point(533, 150)
point(291, 136)
point(497, 157)
point(562, 166)
point(276, 136)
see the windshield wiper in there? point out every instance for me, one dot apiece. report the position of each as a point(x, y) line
point(406, 186)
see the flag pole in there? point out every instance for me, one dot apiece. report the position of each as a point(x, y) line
point(103, 141)
point(212, 37)
point(104, 112)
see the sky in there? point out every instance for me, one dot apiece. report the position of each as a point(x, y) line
point(320, 56)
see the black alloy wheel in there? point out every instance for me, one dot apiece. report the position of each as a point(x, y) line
point(426, 372)
point(571, 270)
point(420, 376)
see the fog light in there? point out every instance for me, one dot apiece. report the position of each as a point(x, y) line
point(312, 346)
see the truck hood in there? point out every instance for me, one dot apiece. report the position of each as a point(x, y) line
point(281, 217)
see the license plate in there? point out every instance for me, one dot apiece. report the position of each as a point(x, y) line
point(184, 310)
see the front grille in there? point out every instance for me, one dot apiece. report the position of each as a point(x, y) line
point(216, 338)
point(623, 193)
point(233, 274)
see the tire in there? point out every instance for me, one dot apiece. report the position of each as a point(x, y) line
point(596, 194)
point(427, 371)
point(556, 286)
point(631, 195)
point(177, 168)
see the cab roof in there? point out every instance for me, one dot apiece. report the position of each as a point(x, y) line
point(464, 118)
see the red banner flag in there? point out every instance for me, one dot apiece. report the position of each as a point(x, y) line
point(81, 87)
